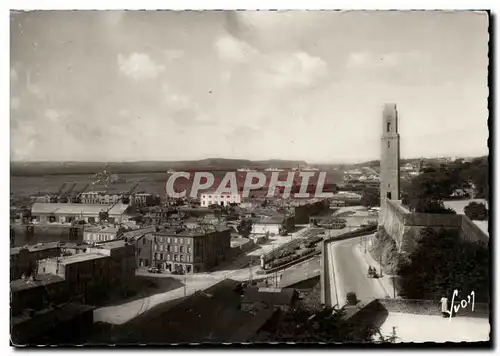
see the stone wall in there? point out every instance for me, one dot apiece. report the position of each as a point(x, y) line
point(405, 227)
point(471, 232)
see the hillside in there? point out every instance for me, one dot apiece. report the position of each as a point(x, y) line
point(67, 168)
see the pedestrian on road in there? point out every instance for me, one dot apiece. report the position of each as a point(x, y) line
point(444, 307)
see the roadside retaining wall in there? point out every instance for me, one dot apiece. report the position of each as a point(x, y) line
point(405, 227)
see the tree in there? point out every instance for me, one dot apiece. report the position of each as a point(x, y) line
point(442, 262)
point(370, 197)
point(103, 215)
point(430, 206)
point(245, 227)
point(324, 325)
point(476, 211)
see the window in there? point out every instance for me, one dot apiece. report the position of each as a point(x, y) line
point(181, 249)
point(388, 127)
point(155, 247)
point(189, 241)
point(389, 195)
point(190, 250)
point(144, 241)
point(181, 258)
point(162, 247)
point(175, 240)
point(168, 248)
point(168, 239)
point(388, 144)
point(176, 248)
point(175, 258)
point(161, 256)
point(168, 257)
point(181, 240)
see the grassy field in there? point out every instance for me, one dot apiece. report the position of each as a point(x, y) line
point(25, 186)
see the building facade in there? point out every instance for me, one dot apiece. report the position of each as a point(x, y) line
point(224, 199)
point(190, 251)
point(389, 163)
point(67, 213)
point(99, 233)
point(92, 275)
point(23, 260)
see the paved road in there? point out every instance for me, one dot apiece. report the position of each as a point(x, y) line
point(236, 269)
point(349, 269)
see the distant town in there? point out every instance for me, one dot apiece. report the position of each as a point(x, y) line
point(104, 243)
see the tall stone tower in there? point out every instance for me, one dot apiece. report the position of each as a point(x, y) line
point(389, 162)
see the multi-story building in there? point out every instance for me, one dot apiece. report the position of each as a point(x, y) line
point(99, 198)
point(190, 251)
point(99, 233)
point(225, 199)
point(143, 245)
point(23, 260)
point(92, 275)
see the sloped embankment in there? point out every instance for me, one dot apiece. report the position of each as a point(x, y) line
point(384, 250)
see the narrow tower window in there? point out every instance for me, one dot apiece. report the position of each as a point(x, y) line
point(388, 144)
point(388, 127)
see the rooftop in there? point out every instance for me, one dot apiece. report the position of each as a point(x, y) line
point(63, 208)
point(34, 248)
point(27, 283)
point(110, 245)
point(210, 316)
point(269, 295)
point(60, 313)
point(199, 231)
point(137, 234)
point(101, 229)
point(79, 257)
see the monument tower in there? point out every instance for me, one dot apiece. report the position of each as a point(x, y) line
point(389, 162)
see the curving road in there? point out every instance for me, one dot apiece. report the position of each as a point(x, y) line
point(348, 272)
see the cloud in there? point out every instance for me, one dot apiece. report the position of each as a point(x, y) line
point(232, 49)
point(367, 60)
point(173, 54)
point(139, 66)
point(300, 68)
point(278, 69)
point(182, 109)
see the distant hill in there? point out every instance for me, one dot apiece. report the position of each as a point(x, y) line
point(213, 164)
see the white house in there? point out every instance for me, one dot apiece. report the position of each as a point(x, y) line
point(209, 198)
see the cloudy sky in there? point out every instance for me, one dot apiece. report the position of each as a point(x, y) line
point(112, 86)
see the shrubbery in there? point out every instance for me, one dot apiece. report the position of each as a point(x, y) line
point(441, 263)
point(476, 211)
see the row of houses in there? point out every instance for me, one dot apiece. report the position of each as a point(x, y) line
point(99, 197)
point(69, 272)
